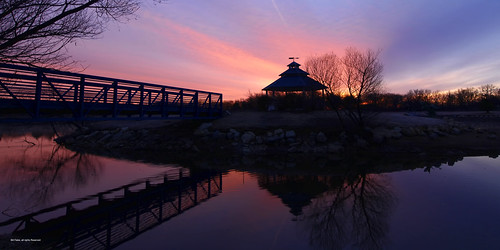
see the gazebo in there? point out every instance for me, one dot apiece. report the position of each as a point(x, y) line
point(294, 79)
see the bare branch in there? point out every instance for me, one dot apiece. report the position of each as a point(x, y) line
point(35, 32)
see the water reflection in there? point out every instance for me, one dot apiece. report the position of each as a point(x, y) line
point(337, 211)
point(352, 214)
point(112, 217)
point(334, 206)
point(33, 170)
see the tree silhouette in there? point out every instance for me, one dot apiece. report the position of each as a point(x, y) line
point(357, 76)
point(35, 32)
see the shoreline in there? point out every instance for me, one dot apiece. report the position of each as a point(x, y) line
point(222, 141)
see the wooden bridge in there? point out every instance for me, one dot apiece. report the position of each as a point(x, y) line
point(108, 219)
point(39, 94)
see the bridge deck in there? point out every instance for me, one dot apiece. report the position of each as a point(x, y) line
point(28, 93)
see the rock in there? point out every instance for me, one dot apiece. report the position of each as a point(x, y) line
point(259, 139)
point(203, 129)
point(92, 134)
point(343, 136)
point(335, 148)
point(409, 131)
point(260, 149)
point(118, 136)
point(194, 148)
point(104, 137)
point(272, 138)
point(186, 143)
point(292, 149)
point(311, 140)
point(233, 134)
point(381, 133)
point(361, 143)
point(320, 149)
point(433, 135)
point(219, 135)
point(321, 137)
point(455, 131)
point(246, 150)
point(247, 137)
point(304, 148)
point(395, 133)
point(279, 132)
point(290, 134)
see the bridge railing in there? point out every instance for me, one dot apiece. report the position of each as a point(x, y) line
point(51, 94)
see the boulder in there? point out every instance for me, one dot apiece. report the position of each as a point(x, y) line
point(279, 132)
point(361, 143)
point(321, 137)
point(247, 137)
point(203, 129)
point(409, 131)
point(335, 148)
point(290, 134)
point(259, 139)
point(233, 134)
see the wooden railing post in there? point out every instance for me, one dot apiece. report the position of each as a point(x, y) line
point(115, 99)
point(82, 98)
point(164, 99)
point(141, 101)
point(195, 102)
point(181, 103)
point(220, 105)
point(38, 94)
point(75, 100)
point(210, 104)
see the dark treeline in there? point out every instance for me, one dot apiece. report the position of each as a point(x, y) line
point(483, 98)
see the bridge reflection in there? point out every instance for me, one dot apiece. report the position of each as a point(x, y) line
point(108, 219)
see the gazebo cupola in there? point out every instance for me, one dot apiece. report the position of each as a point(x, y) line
point(294, 79)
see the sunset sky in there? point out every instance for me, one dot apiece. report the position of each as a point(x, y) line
point(237, 47)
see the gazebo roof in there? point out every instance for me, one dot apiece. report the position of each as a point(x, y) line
point(294, 79)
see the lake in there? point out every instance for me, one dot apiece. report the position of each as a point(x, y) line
point(52, 197)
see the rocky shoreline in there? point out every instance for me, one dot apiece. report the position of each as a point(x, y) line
point(196, 139)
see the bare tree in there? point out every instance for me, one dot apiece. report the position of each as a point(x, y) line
point(488, 90)
point(358, 75)
point(362, 76)
point(326, 69)
point(35, 32)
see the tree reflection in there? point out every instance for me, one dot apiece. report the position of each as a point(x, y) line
point(33, 175)
point(353, 214)
point(338, 211)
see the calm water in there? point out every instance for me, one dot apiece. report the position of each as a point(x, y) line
point(60, 198)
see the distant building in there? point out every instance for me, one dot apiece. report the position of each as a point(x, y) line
point(294, 79)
